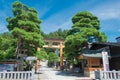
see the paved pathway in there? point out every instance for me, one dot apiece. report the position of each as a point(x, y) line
point(45, 73)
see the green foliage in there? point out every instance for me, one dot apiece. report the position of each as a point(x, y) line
point(59, 34)
point(52, 57)
point(31, 37)
point(84, 26)
point(42, 55)
point(86, 19)
point(24, 25)
point(7, 46)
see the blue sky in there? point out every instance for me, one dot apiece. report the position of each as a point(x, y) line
point(58, 13)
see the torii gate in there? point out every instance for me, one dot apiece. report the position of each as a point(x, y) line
point(60, 45)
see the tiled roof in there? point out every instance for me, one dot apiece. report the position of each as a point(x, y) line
point(95, 53)
point(113, 49)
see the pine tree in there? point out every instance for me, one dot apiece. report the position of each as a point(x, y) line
point(85, 26)
point(25, 26)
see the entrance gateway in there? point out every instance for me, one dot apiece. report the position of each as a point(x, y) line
point(59, 45)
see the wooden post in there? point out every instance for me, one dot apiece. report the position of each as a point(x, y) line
point(38, 49)
point(61, 55)
point(37, 64)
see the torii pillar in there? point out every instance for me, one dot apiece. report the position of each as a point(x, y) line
point(61, 55)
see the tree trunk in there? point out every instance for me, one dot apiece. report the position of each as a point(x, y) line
point(18, 47)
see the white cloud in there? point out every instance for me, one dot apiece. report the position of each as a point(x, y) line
point(109, 10)
point(3, 28)
point(51, 27)
point(4, 13)
point(56, 21)
point(3, 23)
point(43, 10)
point(108, 14)
point(65, 25)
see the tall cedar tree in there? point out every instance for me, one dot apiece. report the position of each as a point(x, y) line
point(25, 26)
point(85, 26)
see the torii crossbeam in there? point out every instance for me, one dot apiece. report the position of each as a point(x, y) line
point(60, 46)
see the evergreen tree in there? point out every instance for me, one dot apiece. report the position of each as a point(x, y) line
point(42, 55)
point(59, 34)
point(7, 46)
point(52, 57)
point(85, 27)
point(24, 25)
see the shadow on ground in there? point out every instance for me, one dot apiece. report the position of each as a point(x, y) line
point(38, 73)
point(68, 73)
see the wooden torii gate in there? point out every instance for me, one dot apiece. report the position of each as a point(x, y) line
point(60, 46)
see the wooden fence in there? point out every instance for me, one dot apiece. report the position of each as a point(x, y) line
point(16, 75)
point(107, 75)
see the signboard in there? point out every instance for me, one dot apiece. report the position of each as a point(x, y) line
point(105, 61)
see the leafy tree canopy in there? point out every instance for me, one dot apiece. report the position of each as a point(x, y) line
point(84, 26)
point(24, 25)
point(7, 46)
point(85, 19)
point(42, 55)
point(61, 34)
point(52, 57)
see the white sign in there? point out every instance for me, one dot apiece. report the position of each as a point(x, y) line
point(105, 61)
point(31, 58)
